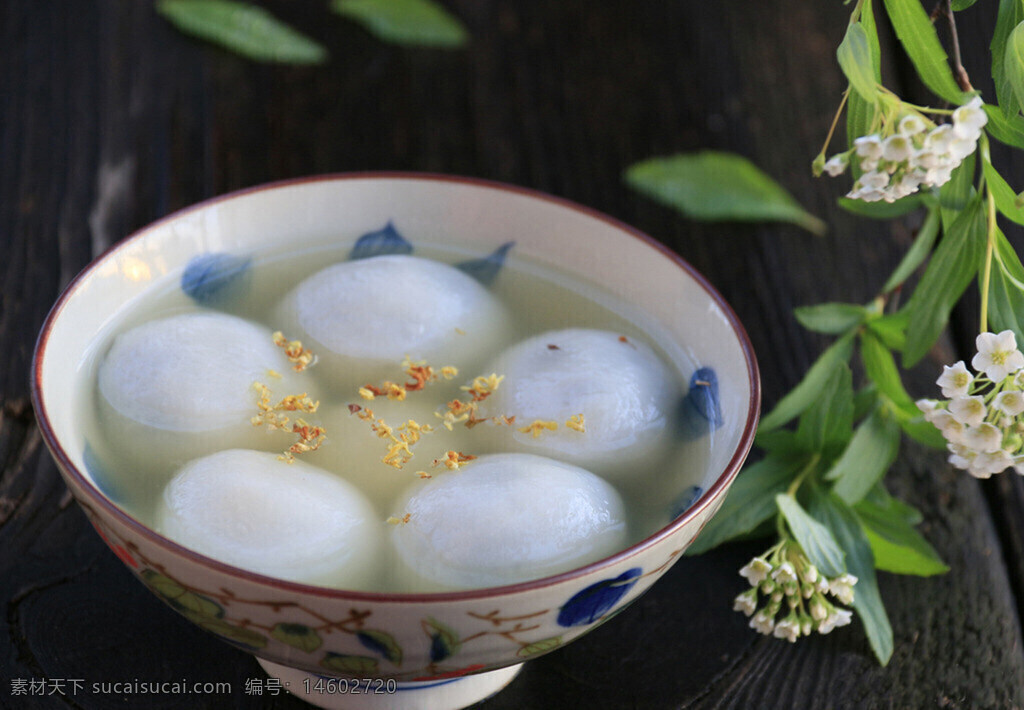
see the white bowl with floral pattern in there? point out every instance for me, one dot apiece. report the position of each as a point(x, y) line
point(432, 650)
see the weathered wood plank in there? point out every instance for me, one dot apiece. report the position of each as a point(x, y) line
point(109, 119)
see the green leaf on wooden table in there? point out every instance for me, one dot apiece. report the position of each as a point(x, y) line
point(914, 426)
point(860, 113)
point(750, 501)
point(1011, 14)
point(1006, 289)
point(828, 422)
point(1013, 65)
point(918, 252)
point(952, 267)
point(869, 455)
point(1005, 129)
point(891, 329)
point(422, 23)
point(881, 209)
point(921, 43)
point(831, 318)
point(717, 186)
point(1005, 197)
point(804, 394)
point(832, 512)
point(955, 194)
point(854, 57)
point(867, 21)
point(880, 367)
point(242, 28)
point(896, 545)
point(864, 401)
point(822, 549)
point(880, 497)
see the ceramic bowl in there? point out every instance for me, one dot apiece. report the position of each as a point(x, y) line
point(422, 650)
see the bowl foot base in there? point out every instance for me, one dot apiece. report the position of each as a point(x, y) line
point(445, 694)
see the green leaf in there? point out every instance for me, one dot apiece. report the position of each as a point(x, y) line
point(922, 45)
point(828, 422)
point(896, 545)
point(891, 329)
point(958, 5)
point(854, 57)
point(953, 265)
point(955, 194)
point(750, 501)
point(407, 22)
point(914, 426)
point(881, 369)
point(1005, 129)
point(1014, 63)
point(717, 186)
point(298, 636)
point(831, 318)
point(242, 28)
point(880, 497)
point(351, 665)
point(832, 512)
point(865, 461)
point(1011, 14)
point(860, 114)
point(1006, 289)
point(1005, 197)
point(822, 549)
point(867, 21)
point(806, 392)
point(918, 252)
point(882, 210)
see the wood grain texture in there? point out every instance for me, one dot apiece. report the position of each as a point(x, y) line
point(110, 119)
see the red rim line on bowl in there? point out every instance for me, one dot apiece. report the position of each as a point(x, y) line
point(98, 499)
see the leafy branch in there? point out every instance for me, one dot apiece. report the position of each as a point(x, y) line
point(828, 445)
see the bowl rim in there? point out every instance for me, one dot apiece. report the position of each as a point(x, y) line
point(98, 500)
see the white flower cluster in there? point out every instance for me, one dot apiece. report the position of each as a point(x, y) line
point(785, 574)
point(897, 165)
point(981, 417)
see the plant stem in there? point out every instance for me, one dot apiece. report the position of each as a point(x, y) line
point(962, 80)
point(835, 121)
point(804, 473)
point(990, 240)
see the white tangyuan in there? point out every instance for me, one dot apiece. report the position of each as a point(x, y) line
point(620, 386)
point(180, 387)
point(366, 316)
point(502, 519)
point(291, 521)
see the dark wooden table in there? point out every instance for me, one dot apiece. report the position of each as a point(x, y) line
point(109, 119)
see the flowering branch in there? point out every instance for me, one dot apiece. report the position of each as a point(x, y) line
point(819, 485)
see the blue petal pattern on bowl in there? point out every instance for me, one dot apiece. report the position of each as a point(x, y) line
point(486, 269)
point(700, 411)
point(685, 500)
point(213, 276)
point(591, 603)
point(384, 241)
